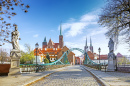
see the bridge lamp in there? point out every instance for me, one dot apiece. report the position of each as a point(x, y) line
point(36, 46)
point(99, 50)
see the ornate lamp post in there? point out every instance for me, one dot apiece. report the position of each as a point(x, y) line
point(36, 46)
point(99, 49)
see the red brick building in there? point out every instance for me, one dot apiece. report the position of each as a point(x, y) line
point(77, 60)
point(51, 48)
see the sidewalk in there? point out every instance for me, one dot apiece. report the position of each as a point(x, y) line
point(24, 79)
point(111, 78)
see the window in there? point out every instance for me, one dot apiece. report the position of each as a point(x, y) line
point(62, 52)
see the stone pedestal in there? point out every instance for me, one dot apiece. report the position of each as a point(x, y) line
point(111, 66)
point(15, 62)
point(111, 62)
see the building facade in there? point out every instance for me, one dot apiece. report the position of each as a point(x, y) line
point(49, 47)
point(71, 55)
point(55, 50)
point(77, 61)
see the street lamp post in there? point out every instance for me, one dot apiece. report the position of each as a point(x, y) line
point(99, 54)
point(36, 46)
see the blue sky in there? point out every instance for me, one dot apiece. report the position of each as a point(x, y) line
point(79, 20)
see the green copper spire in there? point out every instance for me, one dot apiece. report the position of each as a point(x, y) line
point(90, 41)
point(45, 39)
point(86, 41)
point(61, 29)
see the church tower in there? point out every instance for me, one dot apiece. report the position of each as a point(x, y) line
point(86, 46)
point(44, 42)
point(91, 47)
point(61, 38)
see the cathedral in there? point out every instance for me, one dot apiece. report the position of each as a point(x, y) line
point(89, 49)
point(55, 50)
point(51, 44)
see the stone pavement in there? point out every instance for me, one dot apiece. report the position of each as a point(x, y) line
point(111, 78)
point(74, 75)
point(24, 79)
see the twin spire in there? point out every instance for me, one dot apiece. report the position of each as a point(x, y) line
point(90, 42)
point(90, 47)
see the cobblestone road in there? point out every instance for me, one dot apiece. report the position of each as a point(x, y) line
point(71, 76)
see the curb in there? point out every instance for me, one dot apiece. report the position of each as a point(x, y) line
point(101, 81)
point(38, 79)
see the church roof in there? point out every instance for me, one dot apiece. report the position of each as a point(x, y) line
point(119, 55)
point(60, 29)
point(50, 41)
point(45, 39)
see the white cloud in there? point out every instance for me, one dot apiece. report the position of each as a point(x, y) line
point(76, 27)
point(89, 21)
point(88, 17)
point(97, 31)
point(36, 35)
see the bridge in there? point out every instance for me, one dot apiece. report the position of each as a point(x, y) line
point(64, 59)
point(74, 75)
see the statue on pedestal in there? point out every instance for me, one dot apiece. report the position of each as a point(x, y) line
point(15, 53)
point(111, 56)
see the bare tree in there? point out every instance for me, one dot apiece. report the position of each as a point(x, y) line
point(6, 12)
point(116, 17)
point(3, 55)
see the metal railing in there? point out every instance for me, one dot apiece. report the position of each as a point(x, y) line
point(30, 68)
point(98, 66)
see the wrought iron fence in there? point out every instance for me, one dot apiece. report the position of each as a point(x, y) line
point(123, 62)
point(30, 68)
point(98, 66)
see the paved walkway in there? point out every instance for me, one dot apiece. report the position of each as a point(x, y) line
point(72, 76)
point(111, 78)
point(24, 79)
